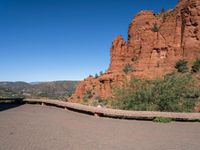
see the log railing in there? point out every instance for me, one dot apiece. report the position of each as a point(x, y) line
point(114, 113)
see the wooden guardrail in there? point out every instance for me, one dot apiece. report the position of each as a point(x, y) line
point(114, 113)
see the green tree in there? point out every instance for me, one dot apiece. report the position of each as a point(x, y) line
point(96, 75)
point(162, 10)
point(101, 73)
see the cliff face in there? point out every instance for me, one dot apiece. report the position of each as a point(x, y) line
point(155, 44)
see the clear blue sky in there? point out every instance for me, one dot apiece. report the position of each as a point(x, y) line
point(45, 40)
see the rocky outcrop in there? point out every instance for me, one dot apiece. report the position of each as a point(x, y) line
point(155, 43)
point(97, 87)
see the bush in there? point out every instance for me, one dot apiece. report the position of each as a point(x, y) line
point(174, 93)
point(101, 73)
point(99, 101)
point(181, 66)
point(155, 28)
point(162, 120)
point(127, 68)
point(96, 75)
point(88, 95)
point(196, 66)
point(162, 10)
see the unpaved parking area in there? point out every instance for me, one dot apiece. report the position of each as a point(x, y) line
point(35, 127)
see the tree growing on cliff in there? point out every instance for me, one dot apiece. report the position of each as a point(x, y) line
point(181, 66)
point(101, 73)
point(162, 10)
point(155, 28)
point(128, 69)
point(178, 1)
point(96, 75)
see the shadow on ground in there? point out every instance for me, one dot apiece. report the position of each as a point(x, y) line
point(6, 106)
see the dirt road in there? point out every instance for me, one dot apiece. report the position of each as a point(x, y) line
point(35, 127)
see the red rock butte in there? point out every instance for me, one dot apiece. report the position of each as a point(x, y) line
point(155, 43)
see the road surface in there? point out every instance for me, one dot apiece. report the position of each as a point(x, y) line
point(35, 127)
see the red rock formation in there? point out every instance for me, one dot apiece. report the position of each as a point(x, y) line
point(155, 43)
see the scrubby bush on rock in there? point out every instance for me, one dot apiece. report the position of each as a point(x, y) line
point(181, 66)
point(88, 95)
point(173, 93)
point(196, 66)
point(127, 68)
point(155, 28)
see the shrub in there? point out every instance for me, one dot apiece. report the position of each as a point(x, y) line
point(96, 75)
point(162, 10)
point(101, 73)
point(127, 68)
point(196, 66)
point(99, 101)
point(174, 93)
point(162, 120)
point(155, 28)
point(88, 95)
point(181, 66)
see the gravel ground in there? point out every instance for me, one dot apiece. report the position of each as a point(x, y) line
point(35, 127)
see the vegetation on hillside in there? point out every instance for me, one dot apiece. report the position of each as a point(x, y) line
point(174, 93)
point(7, 93)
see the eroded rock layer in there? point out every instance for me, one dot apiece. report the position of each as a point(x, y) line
point(155, 43)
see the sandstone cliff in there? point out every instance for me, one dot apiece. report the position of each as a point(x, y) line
point(155, 43)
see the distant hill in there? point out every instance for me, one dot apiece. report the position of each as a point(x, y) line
point(51, 90)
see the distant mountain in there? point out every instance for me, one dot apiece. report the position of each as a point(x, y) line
point(15, 86)
point(33, 83)
point(51, 90)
